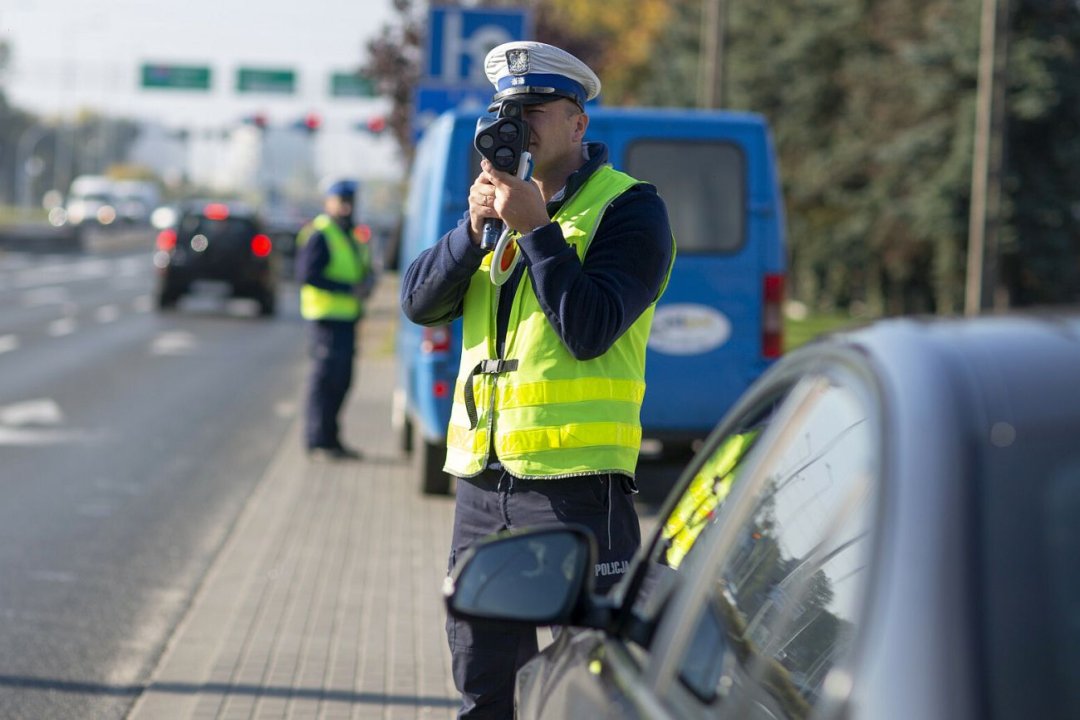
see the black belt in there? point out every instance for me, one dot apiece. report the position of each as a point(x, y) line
point(484, 367)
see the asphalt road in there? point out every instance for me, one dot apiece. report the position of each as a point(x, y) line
point(129, 441)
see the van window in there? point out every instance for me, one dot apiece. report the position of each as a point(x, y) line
point(704, 187)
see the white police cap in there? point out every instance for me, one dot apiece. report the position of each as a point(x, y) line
point(534, 72)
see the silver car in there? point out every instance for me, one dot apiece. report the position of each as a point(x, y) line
point(887, 525)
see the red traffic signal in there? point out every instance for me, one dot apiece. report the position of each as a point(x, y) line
point(259, 120)
point(374, 125)
point(310, 122)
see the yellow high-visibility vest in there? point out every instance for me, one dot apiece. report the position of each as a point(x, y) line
point(349, 263)
point(547, 414)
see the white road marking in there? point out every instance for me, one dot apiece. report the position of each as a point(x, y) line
point(8, 343)
point(37, 422)
point(34, 436)
point(39, 411)
point(174, 342)
point(63, 326)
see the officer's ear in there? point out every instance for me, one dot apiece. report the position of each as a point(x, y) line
point(581, 121)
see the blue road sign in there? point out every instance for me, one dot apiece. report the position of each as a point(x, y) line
point(432, 100)
point(460, 38)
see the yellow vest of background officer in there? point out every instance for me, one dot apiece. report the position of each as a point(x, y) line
point(350, 262)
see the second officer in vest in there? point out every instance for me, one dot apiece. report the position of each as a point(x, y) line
point(545, 422)
point(335, 275)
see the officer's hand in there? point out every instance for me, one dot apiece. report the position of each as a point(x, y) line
point(518, 202)
point(481, 206)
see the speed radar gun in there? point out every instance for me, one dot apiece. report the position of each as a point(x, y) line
point(503, 140)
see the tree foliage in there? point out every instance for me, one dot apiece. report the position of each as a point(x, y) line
point(1041, 245)
point(394, 64)
point(872, 105)
point(616, 38)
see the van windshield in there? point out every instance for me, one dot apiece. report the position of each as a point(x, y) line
point(703, 184)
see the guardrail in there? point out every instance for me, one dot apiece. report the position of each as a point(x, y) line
point(43, 237)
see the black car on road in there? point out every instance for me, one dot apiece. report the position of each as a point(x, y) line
point(222, 244)
point(885, 527)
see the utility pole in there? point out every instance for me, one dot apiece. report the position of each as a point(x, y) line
point(982, 288)
point(711, 58)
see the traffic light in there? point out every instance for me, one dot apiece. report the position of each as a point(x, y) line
point(374, 125)
point(259, 120)
point(309, 123)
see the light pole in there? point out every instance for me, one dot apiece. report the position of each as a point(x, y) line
point(984, 223)
point(711, 59)
point(26, 145)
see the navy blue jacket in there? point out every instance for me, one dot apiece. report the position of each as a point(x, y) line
point(589, 305)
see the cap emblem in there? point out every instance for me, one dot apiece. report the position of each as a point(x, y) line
point(517, 61)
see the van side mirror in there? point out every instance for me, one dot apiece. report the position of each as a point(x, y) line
point(539, 576)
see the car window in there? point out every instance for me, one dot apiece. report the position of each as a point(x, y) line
point(703, 184)
point(239, 230)
point(787, 594)
point(713, 475)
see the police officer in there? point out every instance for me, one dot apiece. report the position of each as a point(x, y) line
point(545, 422)
point(334, 271)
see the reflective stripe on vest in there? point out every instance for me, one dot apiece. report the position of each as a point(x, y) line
point(346, 265)
point(552, 415)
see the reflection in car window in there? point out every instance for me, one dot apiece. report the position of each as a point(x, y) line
point(697, 507)
point(788, 593)
point(703, 184)
point(702, 498)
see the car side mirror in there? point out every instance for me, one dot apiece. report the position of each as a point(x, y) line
point(539, 576)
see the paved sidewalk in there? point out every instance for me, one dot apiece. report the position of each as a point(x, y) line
point(324, 602)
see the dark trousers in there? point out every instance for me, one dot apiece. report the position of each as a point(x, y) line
point(332, 347)
point(487, 655)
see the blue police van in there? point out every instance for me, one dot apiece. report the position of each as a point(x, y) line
point(718, 325)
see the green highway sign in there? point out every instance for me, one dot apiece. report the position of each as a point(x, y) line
point(278, 81)
point(351, 84)
point(175, 77)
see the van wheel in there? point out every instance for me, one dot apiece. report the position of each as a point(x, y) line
point(427, 463)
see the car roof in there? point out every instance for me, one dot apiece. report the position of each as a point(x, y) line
point(1020, 367)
